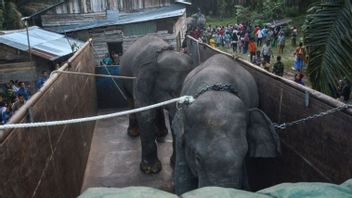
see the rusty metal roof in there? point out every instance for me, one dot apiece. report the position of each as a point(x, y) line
point(45, 44)
point(125, 18)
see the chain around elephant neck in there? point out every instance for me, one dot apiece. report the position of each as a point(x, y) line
point(215, 87)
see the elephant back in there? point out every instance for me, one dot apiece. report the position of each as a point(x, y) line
point(142, 52)
point(220, 69)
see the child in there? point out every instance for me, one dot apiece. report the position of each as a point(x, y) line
point(299, 78)
point(257, 59)
point(265, 65)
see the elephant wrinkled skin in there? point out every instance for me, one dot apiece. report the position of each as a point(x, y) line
point(159, 72)
point(220, 129)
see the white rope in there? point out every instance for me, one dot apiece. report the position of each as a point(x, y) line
point(90, 74)
point(181, 100)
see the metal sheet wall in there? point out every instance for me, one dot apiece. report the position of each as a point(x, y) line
point(316, 150)
point(50, 161)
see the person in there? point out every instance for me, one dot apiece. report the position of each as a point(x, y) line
point(300, 54)
point(281, 42)
point(23, 90)
point(116, 58)
point(267, 52)
point(252, 49)
point(107, 60)
point(294, 36)
point(42, 79)
point(265, 65)
point(6, 113)
point(19, 103)
point(234, 41)
point(257, 59)
point(299, 78)
point(2, 109)
point(278, 67)
point(259, 36)
point(212, 42)
point(344, 90)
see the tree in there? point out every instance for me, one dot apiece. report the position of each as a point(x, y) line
point(12, 16)
point(328, 38)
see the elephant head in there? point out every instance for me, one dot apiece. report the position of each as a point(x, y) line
point(214, 135)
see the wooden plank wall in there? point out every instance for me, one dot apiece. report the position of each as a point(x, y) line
point(71, 19)
point(50, 161)
point(11, 54)
point(89, 6)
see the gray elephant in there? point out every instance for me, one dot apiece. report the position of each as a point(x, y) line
point(159, 72)
point(197, 20)
point(223, 126)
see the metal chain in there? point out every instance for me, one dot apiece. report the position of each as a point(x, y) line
point(217, 87)
point(318, 115)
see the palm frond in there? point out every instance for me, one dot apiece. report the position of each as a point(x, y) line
point(328, 38)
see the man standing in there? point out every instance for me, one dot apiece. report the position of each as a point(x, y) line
point(41, 80)
point(266, 52)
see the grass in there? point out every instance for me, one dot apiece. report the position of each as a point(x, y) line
point(220, 22)
point(287, 58)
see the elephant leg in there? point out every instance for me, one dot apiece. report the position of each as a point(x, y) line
point(133, 129)
point(150, 163)
point(161, 130)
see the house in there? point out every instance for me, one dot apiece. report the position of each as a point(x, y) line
point(115, 24)
point(46, 50)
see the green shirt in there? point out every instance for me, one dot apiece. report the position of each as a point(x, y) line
point(278, 68)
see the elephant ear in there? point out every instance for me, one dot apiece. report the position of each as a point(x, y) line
point(263, 140)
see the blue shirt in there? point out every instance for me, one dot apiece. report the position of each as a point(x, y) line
point(24, 92)
point(40, 82)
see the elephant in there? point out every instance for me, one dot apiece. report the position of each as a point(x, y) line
point(197, 20)
point(222, 127)
point(160, 72)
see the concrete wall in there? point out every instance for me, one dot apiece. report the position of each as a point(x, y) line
point(50, 161)
point(316, 150)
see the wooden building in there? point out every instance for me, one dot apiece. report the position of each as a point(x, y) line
point(46, 49)
point(115, 24)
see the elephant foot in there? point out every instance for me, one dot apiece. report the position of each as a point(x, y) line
point(133, 131)
point(150, 168)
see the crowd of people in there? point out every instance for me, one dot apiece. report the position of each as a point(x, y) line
point(15, 95)
point(257, 41)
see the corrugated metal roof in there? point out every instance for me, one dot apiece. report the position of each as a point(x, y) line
point(50, 45)
point(126, 18)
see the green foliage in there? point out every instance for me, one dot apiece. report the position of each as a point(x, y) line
point(328, 37)
point(12, 16)
point(2, 19)
point(260, 12)
point(273, 9)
